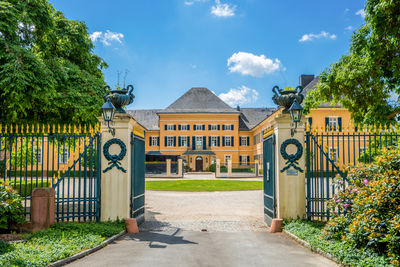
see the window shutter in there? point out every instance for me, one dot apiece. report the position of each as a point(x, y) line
point(174, 127)
point(219, 127)
point(356, 129)
point(223, 127)
point(150, 144)
point(248, 159)
point(232, 127)
point(165, 127)
point(188, 127)
point(179, 127)
point(174, 140)
point(326, 123)
point(340, 123)
point(240, 160)
point(204, 127)
point(233, 144)
point(204, 143)
point(158, 141)
point(310, 121)
point(223, 140)
point(165, 139)
point(193, 142)
point(179, 141)
point(219, 140)
point(209, 127)
point(209, 141)
point(248, 140)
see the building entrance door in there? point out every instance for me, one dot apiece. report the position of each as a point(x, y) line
point(199, 164)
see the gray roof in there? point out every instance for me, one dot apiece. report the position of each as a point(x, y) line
point(199, 100)
point(251, 117)
point(146, 117)
point(310, 87)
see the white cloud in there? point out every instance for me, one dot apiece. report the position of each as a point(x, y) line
point(311, 36)
point(107, 37)
point(239, 96)
point(191, 2)
point(361, 12)
point(346, 10)
point(349, 28)
point(223, 10)
point(253, 65)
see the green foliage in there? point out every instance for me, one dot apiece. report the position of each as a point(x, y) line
point(313, 234)
point(25, 188)
point(375, 148)
point(62, 240)
point(24, 156)
point(48, 71)
point(211, 168)
point(203, 185)
point(365, 79)
point(11, 210)
point(224, 168)
point(370, 207)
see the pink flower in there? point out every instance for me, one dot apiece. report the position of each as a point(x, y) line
point(354, 190)
point(340, 182)
point(365, 182)
point(346, 205)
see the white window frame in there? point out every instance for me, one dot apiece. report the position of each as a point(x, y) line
point(170, 141)
point(198, 127)
point(199, 142)
point(185, 141)
point(170, 127)
point(333, 154)
point(243, 160)
point(228, 143)
point(63, 156)
point(228, 127)
point(214, 141)
point(226, 158)
point(243, 141)
point(213, 127)
point(184, 127)
point(154, 141)
point(333, 122)
point(38, 155)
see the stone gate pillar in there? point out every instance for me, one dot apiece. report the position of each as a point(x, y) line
point(290, 176)
point(115, 175)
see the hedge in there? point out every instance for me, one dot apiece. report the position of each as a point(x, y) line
point(25, 188)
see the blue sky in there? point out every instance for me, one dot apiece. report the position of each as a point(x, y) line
point(239, 49)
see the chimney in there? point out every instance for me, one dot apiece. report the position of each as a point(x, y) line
point(305, 79)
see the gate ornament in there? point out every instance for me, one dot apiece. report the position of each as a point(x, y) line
point(114, 160)
point(285, 98)
point(292, 158)
point(119, 97)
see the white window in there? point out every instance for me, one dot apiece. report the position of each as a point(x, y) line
point(228, 127)
point(38, 155)
point(227, 157)
point(198, 127)
point(332, 123)
point(170, 141)
point(228, 140)
point(184, 141)
point(214, 127)
point(214, 141)
point(184, 127)
point(154, 141)
point(333, 154)
point(243, 160)
point(243, 141)
point(199, 142)
point(63, 156)
point(170, 127)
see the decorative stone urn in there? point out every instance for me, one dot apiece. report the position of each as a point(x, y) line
point(285, 98)
point(119, 97)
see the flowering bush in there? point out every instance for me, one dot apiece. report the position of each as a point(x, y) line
point(366, 214)
point(11, 210)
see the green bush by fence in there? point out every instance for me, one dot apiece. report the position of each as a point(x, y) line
point(25, 188)
point(40, 173)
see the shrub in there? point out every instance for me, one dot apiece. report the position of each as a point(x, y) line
point(25, 188)
point(367, 212)
point(224, 169)
point(211, 168)
point(11, 210)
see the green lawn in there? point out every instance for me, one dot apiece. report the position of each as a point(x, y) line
point(60, 241)
point(203, 185)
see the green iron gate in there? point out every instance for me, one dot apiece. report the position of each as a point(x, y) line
point(269, 178)
point(137, 178)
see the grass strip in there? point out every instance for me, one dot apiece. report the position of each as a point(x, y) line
point(311, 232)
point(203, 185)
point(61, 241)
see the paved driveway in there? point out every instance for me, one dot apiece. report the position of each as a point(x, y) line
point(234, 234)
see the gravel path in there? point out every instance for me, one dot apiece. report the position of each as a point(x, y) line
point(215, 211)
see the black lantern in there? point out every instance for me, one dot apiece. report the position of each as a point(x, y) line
point(108, 114)
point(296, 111)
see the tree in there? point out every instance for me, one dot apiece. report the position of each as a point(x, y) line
point(48, 71)
point(366, 81)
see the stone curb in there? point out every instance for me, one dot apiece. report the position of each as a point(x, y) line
point(86, 252)
point(307, 245)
